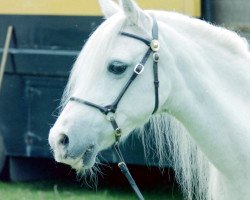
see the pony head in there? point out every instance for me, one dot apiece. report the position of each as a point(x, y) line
point(102, 69)
point(194, 92)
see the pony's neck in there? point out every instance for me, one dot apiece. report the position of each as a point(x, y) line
point(210, 84)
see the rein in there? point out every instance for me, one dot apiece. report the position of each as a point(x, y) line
point(110, 110)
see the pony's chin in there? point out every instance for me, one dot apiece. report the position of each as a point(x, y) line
point(83, 167)
point(77, 163)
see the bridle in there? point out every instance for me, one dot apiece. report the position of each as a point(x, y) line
point(110, 110)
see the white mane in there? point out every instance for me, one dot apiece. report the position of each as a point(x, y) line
point(193, 170)
point(171, 138)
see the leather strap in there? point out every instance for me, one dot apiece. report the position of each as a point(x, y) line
point(155, 66)
point(104, 109)
point(155, 29)
point(124, 169)
point(156, 86)
point(121, 162)
point(155, 58)
point(153, 47)
point(137, 70)
point(112, 108)
point(144, 40)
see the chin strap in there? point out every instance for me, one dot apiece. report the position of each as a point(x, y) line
point(121, 163)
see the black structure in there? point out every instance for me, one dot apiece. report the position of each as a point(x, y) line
point(42, 52)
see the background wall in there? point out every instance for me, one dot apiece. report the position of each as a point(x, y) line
point(233, 14)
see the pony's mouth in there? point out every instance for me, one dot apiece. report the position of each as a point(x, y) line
point(85, 161)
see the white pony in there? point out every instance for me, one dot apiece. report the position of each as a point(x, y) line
point(204, 74)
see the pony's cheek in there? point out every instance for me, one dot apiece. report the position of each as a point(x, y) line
point(105, 137)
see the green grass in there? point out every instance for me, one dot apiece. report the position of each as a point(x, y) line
point(56, 190)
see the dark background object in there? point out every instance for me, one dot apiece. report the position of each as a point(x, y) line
point(207, 14)
point(42, 52)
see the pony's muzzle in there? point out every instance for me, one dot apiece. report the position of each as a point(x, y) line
point(67, 148)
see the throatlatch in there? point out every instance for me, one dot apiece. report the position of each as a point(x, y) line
point(110, 110)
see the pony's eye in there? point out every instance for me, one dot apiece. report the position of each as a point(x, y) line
point(117, 67)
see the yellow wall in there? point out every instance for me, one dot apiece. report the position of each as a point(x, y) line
point(90, 7)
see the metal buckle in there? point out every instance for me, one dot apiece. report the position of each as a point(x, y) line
point(139, 68)
point(156, 57)
point(109, 116)
point(121, 164)
point(118, 133)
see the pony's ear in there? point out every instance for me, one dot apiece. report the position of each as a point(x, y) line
point(135, 15)
point(108, 8)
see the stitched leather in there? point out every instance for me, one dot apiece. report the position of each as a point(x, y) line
point(144, 40)
point(124, 169)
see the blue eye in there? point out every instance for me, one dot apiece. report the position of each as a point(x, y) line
point(117, 67)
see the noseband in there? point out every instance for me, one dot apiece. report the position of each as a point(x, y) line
point(110, 109)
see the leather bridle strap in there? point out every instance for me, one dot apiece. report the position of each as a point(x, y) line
point(153, 47)
point(112, 107)
point(110, 110)
point(155, 62)
point(144, 40)
point(137, 70)
point(121, 162)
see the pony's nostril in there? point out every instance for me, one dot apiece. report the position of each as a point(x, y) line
point(64, 140)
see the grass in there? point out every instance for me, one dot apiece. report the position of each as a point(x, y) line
point(112, 185)
point(61, 190)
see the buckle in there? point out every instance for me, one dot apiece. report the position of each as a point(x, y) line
point(109, 116)
point(139, 68)
point(118, 133)
point(156, 57)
